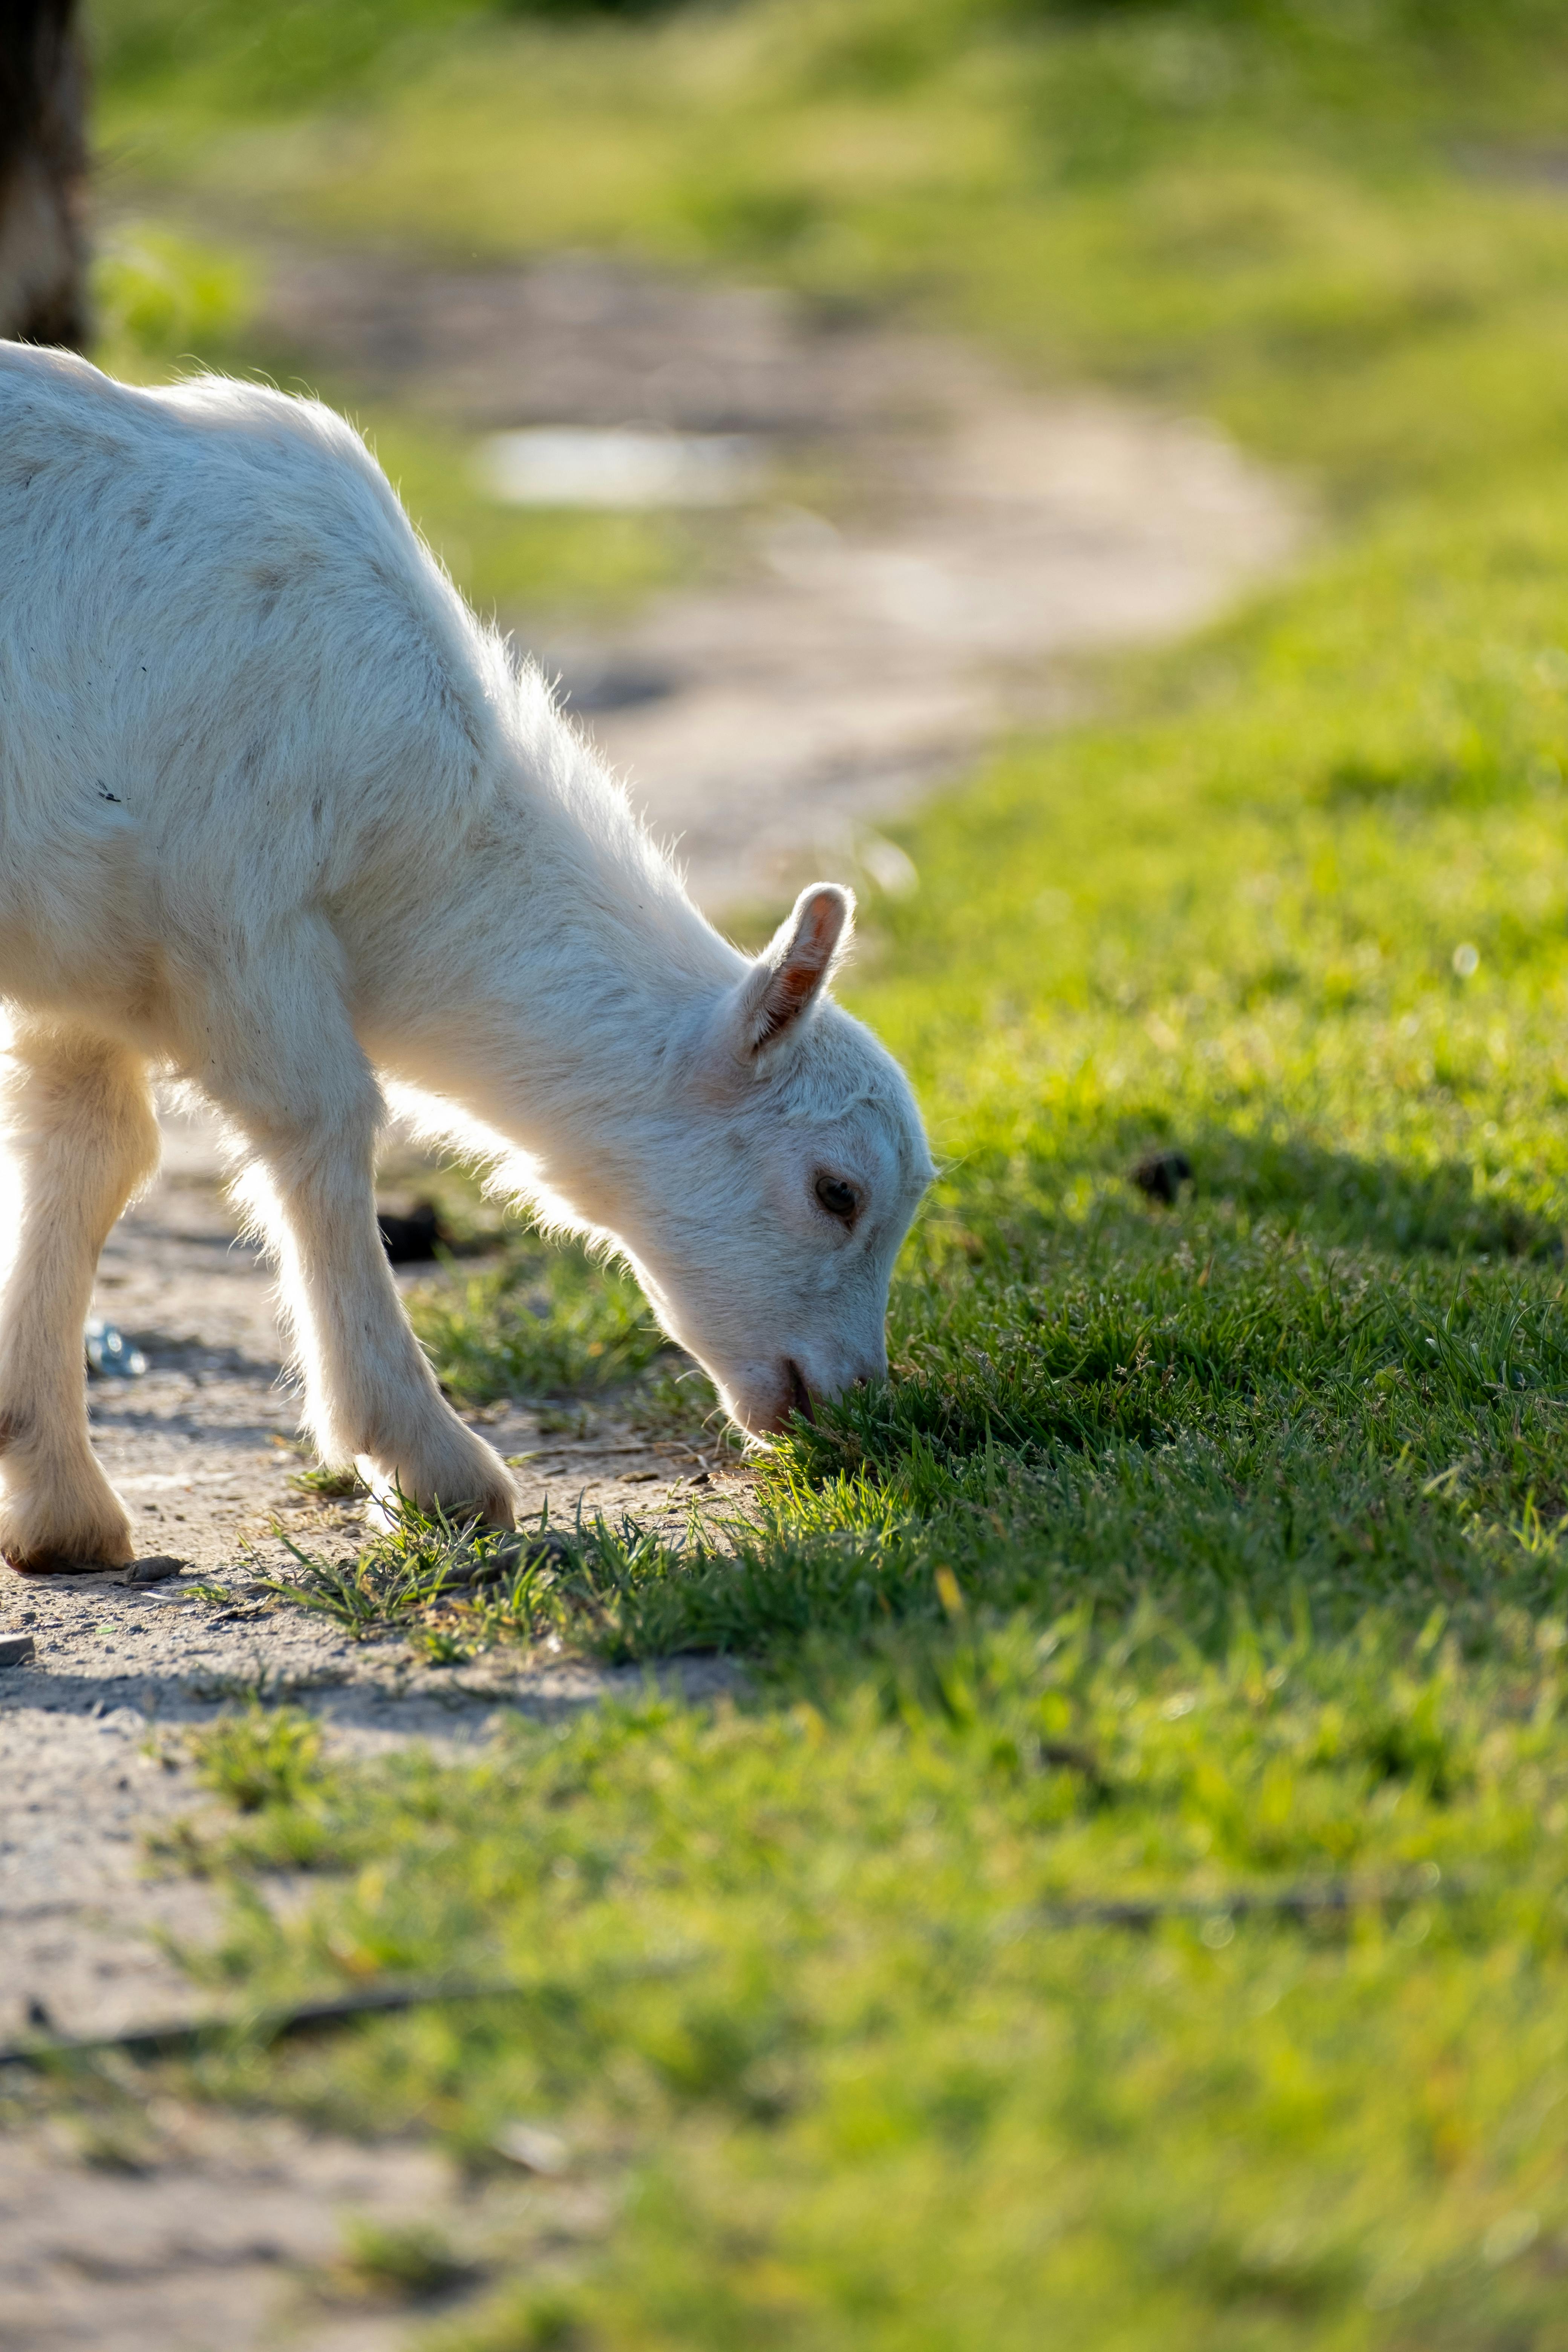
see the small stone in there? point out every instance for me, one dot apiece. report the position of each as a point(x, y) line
point(154, 1569)
point(16, 1649)
point(533, 2147)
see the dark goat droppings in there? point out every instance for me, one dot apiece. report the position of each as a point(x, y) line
point(1162, 1174)
point(412, 1239)
point(154, 1569)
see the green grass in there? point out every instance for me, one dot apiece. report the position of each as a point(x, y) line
point(269, 1755)
point(401, 2262)
point(825, 2004)
point(1198, 1558)
point(542, 1322)
point(1248, 208)
point(454, 1587)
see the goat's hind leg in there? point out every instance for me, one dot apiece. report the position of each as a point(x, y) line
point(80, 1134)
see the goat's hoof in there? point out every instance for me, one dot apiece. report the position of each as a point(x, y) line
point(64, 1524)
point(386, 1506)
point(470, 1486)
point(495, 1511)
point(58, 1563)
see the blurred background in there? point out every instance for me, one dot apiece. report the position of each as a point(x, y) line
point(733, 355)
point(654, 315)
point(721, 349)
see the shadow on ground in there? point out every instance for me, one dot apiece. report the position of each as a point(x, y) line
point(1343, 1196)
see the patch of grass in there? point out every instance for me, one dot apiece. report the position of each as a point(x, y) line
point(328, 1485)
point(1214, 1403)
point(268, 1756)
point(453, 1588)
point(1247, 211)
point(406, 2261)
point(815, 1969)
point(544, 1323)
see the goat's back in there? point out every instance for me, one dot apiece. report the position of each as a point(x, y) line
point(222, 648)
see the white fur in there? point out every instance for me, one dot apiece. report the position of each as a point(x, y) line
point(278, 817)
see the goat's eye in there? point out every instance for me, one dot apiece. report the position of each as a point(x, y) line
point(839, 1200)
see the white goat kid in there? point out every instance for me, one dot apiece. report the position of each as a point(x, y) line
point(280, 818)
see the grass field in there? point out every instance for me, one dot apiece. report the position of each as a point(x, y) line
point(1132, 1909)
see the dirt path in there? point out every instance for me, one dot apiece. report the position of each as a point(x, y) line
point(978, 537)
point(978, 534)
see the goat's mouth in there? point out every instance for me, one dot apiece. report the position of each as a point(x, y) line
point(799, 1395)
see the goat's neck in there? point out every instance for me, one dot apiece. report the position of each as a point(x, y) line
point(574, 1008)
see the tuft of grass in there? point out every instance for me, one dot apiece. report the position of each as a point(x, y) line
point(544, 1323)
point(267, 1756)
point(454, 1589)
point(327, 1484)
point(454, 1586)
point(397, 2262)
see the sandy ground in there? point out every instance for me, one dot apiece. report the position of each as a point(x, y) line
point(770, 723)
point(192, 2231)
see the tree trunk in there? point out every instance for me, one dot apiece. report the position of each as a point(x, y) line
point(43, 173)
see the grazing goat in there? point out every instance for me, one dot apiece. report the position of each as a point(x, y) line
point(278, 817)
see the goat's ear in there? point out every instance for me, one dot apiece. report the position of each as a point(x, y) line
point(790, 974)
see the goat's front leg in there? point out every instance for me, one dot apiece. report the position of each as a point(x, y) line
point(303, 1095)
point(80, 1138)
point(370, 1397)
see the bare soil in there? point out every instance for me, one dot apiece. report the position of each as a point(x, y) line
point(180, 2230)
point(981, 538)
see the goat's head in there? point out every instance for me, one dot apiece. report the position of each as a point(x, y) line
point(801, 1161)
